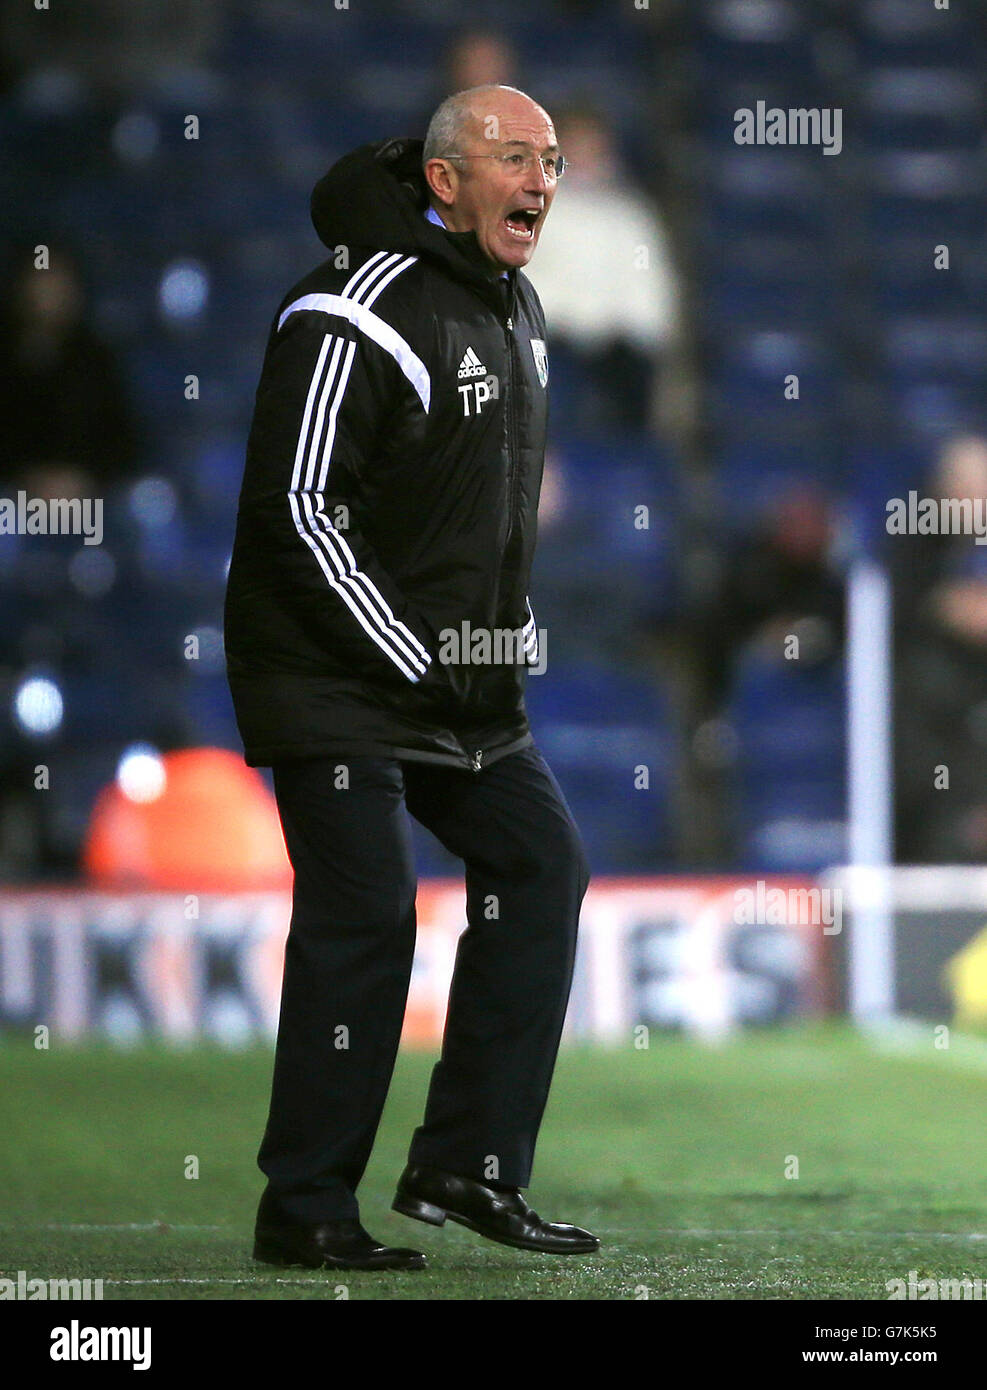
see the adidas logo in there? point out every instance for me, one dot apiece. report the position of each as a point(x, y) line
point(470, 365)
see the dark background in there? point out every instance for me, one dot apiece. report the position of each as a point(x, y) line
point(666, 645)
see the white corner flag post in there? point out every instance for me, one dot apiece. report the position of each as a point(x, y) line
point(870, 807)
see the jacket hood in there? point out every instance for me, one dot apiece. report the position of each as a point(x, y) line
point(377, 196)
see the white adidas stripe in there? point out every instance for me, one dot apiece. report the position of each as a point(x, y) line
point(374, 327)
point(315, 442)
point(333, 553)
point(378, 278)
point(386, 280)
point(319, 424)
point(530, 634)
point(335, 542)
point(363, 276)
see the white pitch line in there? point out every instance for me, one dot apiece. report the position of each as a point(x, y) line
point(700, 1232)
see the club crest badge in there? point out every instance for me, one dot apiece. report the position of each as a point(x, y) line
point(541, 360)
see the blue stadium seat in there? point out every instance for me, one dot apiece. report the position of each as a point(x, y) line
point(875, 473)
point(750, 374)
point(755, 192)
point(600, 544)
point(905, 280)
point(913, 32)
point(761, 40)
point(936, 347)
point(595, 726)
point(789, 722)
point(922, 108)
point(923, 192)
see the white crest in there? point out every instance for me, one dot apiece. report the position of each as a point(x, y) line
point(541, 359)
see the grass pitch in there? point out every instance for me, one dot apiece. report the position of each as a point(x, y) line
point(676, 1156)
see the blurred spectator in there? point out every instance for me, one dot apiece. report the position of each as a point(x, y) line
point(780, 583)
point(475, 57)
point(941, 694)
point(66, 425)
point(604, 271)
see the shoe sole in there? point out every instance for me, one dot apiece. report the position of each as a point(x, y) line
point(437, 1216)
point(269, 1254)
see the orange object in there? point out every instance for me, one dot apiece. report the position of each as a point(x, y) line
point(213, 829)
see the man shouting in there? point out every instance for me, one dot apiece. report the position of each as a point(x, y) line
point(389, 500)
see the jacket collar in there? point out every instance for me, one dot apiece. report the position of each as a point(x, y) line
point(434, 217)
point(377, 196)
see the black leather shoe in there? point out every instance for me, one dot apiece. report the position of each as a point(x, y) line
point(325, 1245)
point(428, 1194)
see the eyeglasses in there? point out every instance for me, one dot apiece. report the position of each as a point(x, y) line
point(518, 162)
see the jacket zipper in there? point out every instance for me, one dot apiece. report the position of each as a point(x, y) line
point(512, 470)
point(476, 756)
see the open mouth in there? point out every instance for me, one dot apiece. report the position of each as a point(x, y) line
point(521, 223)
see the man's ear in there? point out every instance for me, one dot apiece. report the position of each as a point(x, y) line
point(441, 178)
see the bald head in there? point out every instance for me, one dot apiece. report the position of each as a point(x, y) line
point(482, 172)
point(466, 116)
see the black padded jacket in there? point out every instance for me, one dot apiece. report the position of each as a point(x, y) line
point(390, 490)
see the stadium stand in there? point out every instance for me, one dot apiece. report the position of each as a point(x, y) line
point(797, 263)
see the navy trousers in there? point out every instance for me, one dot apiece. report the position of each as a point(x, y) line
point(348, 963)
